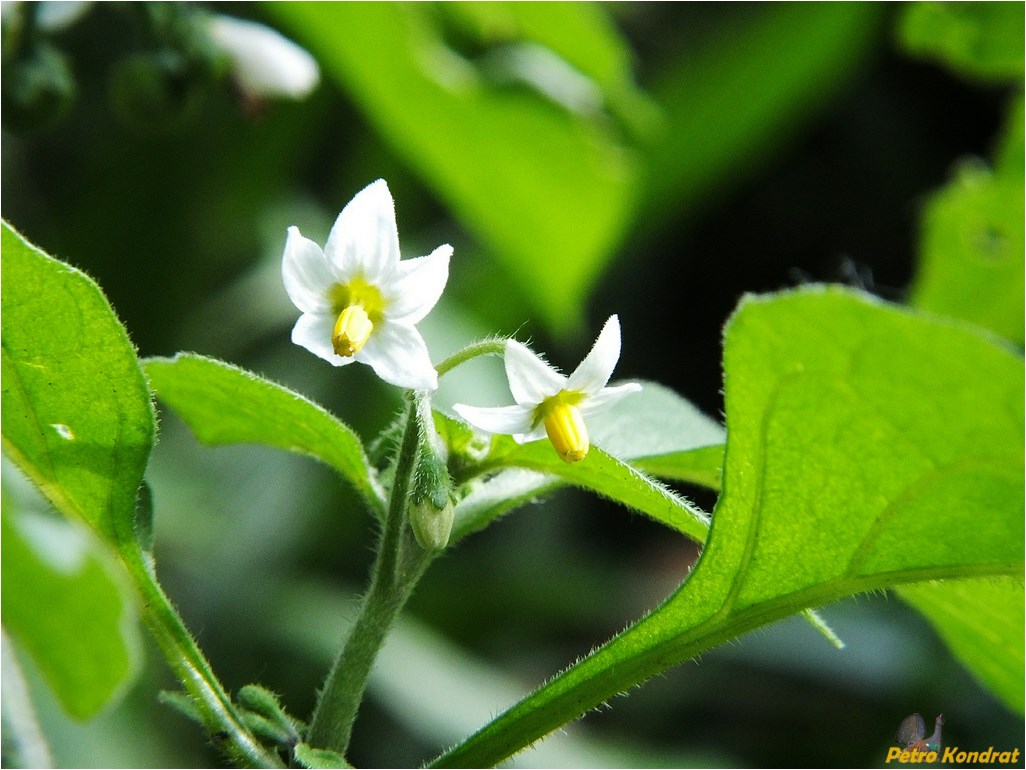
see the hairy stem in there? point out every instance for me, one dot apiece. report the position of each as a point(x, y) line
point(396, 570)
point(492, 347)
point(215, 708)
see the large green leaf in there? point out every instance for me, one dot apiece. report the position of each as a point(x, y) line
point(982, 622)
point(69, 608)
point(227, 405)
point(77, 416)
point(580, 33)
point(77, 419)
point(981, 40)
point(474, 123)
point(867, 447)
point(971, 267)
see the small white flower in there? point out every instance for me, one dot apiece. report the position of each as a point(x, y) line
point(549, 403)
point(264, 62)
point(359, 301)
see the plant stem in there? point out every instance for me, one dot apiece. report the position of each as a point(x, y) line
point(215, 707)
point(493, 347)
point(392, 581)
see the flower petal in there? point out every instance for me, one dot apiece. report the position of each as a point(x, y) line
point(306, 273)
point(607, 397)
point(497, 419)
point(398, 355)
point(313, 332)
point(535, 434)
point(364, 240)
point(417, 285)
point(597, 367)
point(531, 380)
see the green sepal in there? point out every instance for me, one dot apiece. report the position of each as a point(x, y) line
point(310, 757)
point(432, 507)
point(267, 731)
point(432, 484)
point(266, 717)
point(183, 703)
point(382, 448)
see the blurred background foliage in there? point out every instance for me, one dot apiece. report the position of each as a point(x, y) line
point(654, 160)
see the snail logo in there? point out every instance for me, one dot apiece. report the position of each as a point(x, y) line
point(912, 730)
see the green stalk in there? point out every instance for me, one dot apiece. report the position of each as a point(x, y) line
point(396, 570)
point(493, 347)
point(219, 716)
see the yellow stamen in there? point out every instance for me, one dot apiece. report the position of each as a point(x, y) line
point(352, 330)
point(566, 430)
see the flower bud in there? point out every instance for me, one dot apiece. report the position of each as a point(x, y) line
point(431, 508)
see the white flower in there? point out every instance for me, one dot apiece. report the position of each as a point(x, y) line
point(359, 301)
point(549, 403)
point(264, 62)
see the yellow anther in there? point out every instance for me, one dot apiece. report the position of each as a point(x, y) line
point(352, 330)
point(566, 430)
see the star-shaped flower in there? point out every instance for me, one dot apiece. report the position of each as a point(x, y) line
point(359, 301)
point(549, 403)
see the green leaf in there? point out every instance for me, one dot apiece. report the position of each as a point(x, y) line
point(702, 466)
point(602, 473)
point(473, 121)
point(978, 40)
point(982, 623)
point(661, 433)
point(68, 606)
point(970, 255)
point(78, 420)
point(653, 422)
point(227, 405)
point(582, 34)
point(867, 447)
point(77, 416)
point(23, 741)
point(503, 492)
